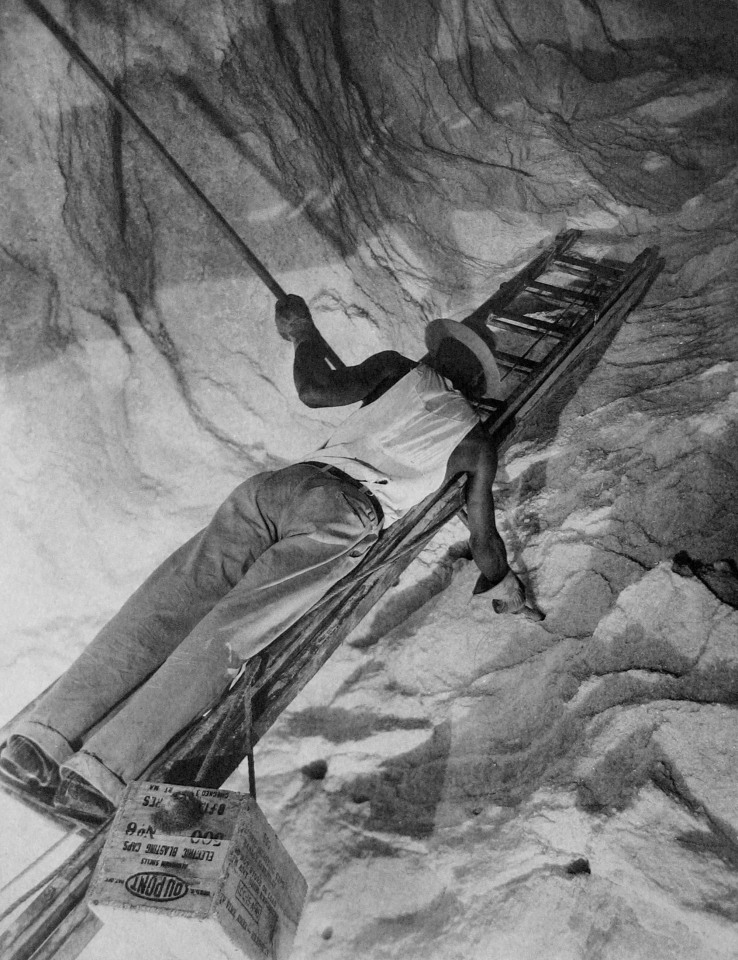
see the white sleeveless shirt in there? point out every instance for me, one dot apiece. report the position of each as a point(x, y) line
point(399, 445)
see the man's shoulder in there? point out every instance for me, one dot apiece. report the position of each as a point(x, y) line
point(479, 439)
point(475, 448)
point(394, 367)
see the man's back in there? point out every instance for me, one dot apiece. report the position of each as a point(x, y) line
point(399, 445)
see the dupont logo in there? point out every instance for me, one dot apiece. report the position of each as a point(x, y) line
point(160, 887)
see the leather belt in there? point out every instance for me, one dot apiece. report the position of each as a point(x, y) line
point(344, 477)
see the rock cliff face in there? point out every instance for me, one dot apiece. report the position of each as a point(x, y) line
point(454, 784)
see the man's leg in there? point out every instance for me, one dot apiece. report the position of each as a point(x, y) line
point(150, 625)
point(324, 531)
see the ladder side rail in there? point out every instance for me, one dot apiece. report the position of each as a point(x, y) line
point(645, 261)
point(71, 936)
point(66, 887)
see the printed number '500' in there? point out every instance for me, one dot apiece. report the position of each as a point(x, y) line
point(210, 836)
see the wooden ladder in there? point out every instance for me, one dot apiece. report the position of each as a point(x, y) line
point(546, 312)
point(551, 321)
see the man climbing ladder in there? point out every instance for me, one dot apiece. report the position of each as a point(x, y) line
point(272, 550)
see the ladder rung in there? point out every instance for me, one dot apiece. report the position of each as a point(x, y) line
point(593, 266)
point(489, 405)
point(564, 294)
point(512, 361)
point(522, 323)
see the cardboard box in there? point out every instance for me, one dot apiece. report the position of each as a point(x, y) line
point(196, 873)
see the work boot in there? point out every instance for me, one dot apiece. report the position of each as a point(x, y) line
point(26, 762)
point(79, 798)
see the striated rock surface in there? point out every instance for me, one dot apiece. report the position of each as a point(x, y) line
point(453, 784)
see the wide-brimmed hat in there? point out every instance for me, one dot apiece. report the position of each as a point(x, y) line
point(438, 330)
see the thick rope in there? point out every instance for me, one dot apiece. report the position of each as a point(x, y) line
point(81, 58)
point(77, 54)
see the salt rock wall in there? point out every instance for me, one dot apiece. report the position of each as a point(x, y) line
point(453, 783)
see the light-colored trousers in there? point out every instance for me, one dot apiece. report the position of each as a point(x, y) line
point(272, 550)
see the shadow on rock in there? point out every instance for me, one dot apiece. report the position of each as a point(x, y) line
point(405, 794)
point(720, 577)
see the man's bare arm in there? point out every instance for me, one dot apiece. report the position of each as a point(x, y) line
point(477, 457)
point(318, 384)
